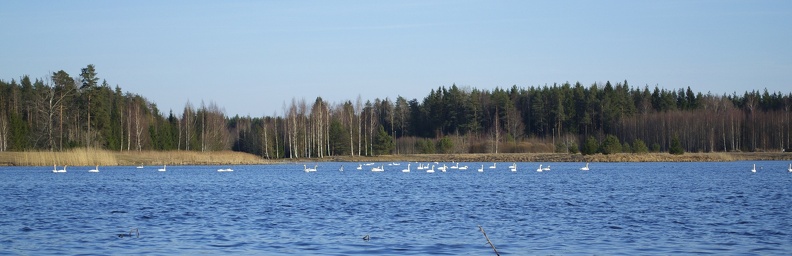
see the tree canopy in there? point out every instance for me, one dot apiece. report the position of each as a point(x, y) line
point(61, 112)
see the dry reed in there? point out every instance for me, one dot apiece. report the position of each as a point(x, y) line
point(91, 157)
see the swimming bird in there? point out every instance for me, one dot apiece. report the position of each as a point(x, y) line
point(585, 168)
point(790, 168)
point(493, 166)
point(754, 168)
point(366, 238)
point(164, 168)
point(360, 167)
point(408, 168)
point(540, 168)
point(341, 169)
point(546, 168)
point(55, 169)
point(378, 169)
point(430, 170)
point(310, 169)
point(481, 169)
point(94, 170)
point(463, 167)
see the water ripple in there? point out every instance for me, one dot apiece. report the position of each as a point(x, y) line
point(615, 209)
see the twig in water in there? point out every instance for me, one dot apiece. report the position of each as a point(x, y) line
point(488, 241)
point(137, 232)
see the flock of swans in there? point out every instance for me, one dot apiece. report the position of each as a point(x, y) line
point(163, 169)
point(430, 168)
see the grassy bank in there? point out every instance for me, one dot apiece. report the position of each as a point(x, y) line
point(90, 157)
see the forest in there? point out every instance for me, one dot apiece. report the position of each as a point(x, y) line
point(60, 112)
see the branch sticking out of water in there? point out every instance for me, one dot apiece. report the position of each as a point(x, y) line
point(134, 230)
point(488, 241)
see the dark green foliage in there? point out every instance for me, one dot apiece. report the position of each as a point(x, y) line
point(339, 144)
point(626, 148)
point(383, 143)
point(445, 145)
point(573, 148)
point(639, 147)
point(655, 147)
point(591, 147)
point(676, 147)
point(610, 145)
point(20, 134)
point(425, 146)
point(560, 148)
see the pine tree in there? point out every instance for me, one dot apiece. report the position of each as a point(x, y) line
point(676, 147)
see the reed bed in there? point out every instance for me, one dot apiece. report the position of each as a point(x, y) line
point(91, 157)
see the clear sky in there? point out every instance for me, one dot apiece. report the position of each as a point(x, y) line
point(249, 57)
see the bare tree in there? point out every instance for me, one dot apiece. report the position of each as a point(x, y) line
point(3, 131)
point(48, 105)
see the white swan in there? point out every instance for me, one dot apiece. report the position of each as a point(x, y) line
point(164, 168)
point(455, 166)
point(378, 169)
point(341, 169)
point(360, 167)
point(546, 168)
point(420, 166)
point(225, 170)
point(790, 168)
point(754, 168)
point(55, 169)
point(513, 166)
point(493, 166)
point(94, 170)
point(139, 167)
point(584, 168)
point(540, 168)
point(481, 169)
point(443, 169)
point(430, 170)
point(463, 167)
point(310, 169)
point(408, 168)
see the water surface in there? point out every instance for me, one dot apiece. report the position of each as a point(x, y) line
point(613, 209)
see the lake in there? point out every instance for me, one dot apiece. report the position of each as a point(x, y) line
point(613, 209)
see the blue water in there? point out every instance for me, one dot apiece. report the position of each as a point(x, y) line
point(614, 209)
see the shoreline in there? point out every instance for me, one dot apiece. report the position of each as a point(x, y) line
point(90, 157)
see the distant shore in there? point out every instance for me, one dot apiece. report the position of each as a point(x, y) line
point(90, 157)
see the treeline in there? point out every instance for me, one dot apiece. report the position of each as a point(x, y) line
point(61, 112)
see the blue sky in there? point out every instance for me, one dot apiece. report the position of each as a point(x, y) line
point(250, 57)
